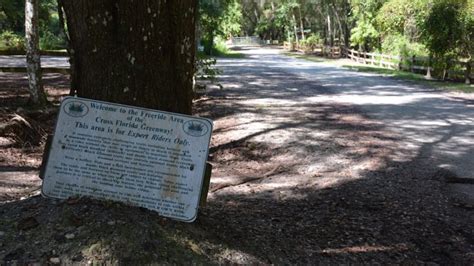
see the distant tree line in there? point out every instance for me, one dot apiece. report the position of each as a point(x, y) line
point(440, 29)
point(12, 25)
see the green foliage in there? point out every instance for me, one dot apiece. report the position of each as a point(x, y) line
point(12, 15)
point(418, 78)
point(284, 17)
point(266, 24)
point(312, 41)
point(205, 71)
point(274, 22)
point(448, 33)
point(364, 34)
point(398, 44)
point(220, 48)
point(467, 28)
point(50, 41)
point(404, 17)
point(11, 40)
point(230, 24)
point(218, 18)
point(449, 28)
point(12, 20)
point(442, 28)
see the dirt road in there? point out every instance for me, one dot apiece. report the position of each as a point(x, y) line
point(432, 124)
point(46, 61)
point(312, 164)
point(318, 163)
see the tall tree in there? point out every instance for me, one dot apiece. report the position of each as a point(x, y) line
point(449, 32)
point(33, 61)
point(133, 52)
point(365, 34)
point(218, 18)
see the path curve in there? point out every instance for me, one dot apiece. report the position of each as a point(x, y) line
point(434, 124)
point(318, 164)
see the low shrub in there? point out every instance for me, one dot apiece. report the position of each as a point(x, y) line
point(12, 41)
point(50, 41)
point(313, 41)
point(398, 44)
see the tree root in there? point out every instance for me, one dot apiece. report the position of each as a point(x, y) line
point(247, 179)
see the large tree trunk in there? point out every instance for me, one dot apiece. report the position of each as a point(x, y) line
point(33, 59)
point(133, 52)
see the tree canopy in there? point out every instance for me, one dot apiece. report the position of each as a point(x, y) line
point(449, 28)
point(441, 29)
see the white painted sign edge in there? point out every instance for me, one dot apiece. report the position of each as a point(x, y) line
point(211, 125)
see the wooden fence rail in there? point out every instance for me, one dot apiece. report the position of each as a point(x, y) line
point(459, 68)
point(43, 52)
point(323, 50)
point(413, 64)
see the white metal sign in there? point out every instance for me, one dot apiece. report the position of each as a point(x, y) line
point(143, 157)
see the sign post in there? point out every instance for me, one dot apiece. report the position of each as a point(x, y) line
point(139, 156)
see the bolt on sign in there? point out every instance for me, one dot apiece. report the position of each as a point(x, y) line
point(139, 156)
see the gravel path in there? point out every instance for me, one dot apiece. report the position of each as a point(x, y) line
point(432, 124)
point(46, 61)
point(314, 163)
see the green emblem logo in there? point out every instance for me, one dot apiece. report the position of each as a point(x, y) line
point(76, 109)
point(195, 128)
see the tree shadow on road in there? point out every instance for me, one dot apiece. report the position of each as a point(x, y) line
point(397, 210)
point(348, 192)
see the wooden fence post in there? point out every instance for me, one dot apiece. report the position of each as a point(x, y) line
point(412, 66)
point(206, 184)
point(428, 71)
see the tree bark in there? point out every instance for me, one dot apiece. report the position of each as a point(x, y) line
point(295, 29)
point(467, 73)
point(139, 53)
point(301, 24)
point(330, 34)
point(33, 59)
point(338, 20)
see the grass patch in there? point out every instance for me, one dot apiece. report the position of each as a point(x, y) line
point(226, 53)
point(223, 54)
point(417, 78)
point(220, 49)
point(229, 54)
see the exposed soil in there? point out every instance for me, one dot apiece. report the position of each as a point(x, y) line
point(293, 182)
